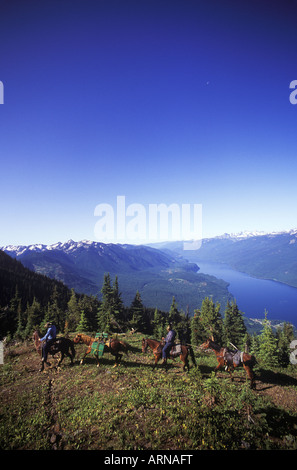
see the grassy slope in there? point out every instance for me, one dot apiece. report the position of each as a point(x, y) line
point(132, 407)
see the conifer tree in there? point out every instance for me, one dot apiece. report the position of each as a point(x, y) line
point(174, 315)
point(55, 312)
point(73, 312)
point(197, 330)
point(34, 315)
point(284, 337)
point(268, 350)
point(105, 310)
point(136, 313)
point(211, 319)
point(234, 327)
point(117, 303)
point(158, 325)
point(83, 325)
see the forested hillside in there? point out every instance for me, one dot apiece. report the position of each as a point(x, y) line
point(270, 256)
point(158, 276)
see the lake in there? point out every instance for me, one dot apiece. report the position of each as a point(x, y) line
point(254, 295)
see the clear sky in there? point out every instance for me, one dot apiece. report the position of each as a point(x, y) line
point(167, 101)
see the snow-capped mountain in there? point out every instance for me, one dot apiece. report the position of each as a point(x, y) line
point(252, 234)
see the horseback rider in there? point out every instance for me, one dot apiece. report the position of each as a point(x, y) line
point(169, 342)
point(49, 339)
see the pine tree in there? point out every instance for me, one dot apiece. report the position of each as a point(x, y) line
point(73, 312)
point(55, 312)
point(34, 316)
point(117, 303)
point(159, 327)
point(284, 337)
point(174, 315)
point(104, 313)
point(136, 313)
point(268, 350)
point(234, 327)
point(211, 320)
point(83, 325)
point(197, 330)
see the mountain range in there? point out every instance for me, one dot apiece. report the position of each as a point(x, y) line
point(261, 255)
point(158, 275)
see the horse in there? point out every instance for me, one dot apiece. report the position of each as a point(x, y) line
point(62, 345)
point(157, 346)
point(113, 346)
point(227, 360)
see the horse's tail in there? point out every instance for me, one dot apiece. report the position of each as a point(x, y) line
point(192, 355)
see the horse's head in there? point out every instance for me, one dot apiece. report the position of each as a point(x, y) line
point(78, 339)
point(144, 345)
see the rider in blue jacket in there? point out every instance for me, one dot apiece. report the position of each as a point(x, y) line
point(49, 339)
point(169, 342)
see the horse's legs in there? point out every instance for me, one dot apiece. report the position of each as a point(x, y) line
point(97, 359)
point(157, 357)
point(68, 354)
point(83, 358)
point(61, 358)
point(218, 368)
point(250, 374)
point(118, 358)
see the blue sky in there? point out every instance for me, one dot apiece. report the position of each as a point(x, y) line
point(183, 102)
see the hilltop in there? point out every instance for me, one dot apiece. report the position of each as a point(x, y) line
point(134, 408)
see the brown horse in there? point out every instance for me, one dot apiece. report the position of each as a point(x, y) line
point(157, 346)
point(226, 360)
point(62, 345)
point(113, 346)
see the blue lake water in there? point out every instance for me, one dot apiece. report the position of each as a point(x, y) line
point(254, 295)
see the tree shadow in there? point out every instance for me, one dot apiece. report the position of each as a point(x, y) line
point(275, 378)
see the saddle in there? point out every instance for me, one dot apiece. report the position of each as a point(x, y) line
point(175, 350)
point(54, 347)
point(232, 357)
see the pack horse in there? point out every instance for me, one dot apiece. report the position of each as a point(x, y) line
point(101, 344)
point(230, 361)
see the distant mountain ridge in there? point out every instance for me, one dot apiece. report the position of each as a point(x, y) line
point(262, 255)
point(156, 274)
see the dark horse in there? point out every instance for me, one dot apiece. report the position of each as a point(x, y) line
point(182, 351)
point(112, 345)
point(228, 361)
point(62, 345)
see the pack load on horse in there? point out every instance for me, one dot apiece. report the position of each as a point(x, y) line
point(50, 344)
point(230, 359)
point(102, 343)
point(176, 350)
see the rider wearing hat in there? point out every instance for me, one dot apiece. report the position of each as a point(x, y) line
point(169, 342)
point(49, 339)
